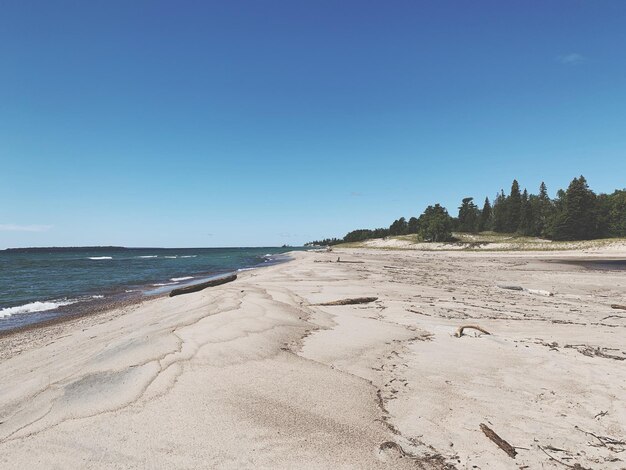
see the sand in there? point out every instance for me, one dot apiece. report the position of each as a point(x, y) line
point(252, 374)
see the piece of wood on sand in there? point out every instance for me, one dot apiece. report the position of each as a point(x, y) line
point(459, 331)
point(203, 285)
point(618, 307)
point(353, 301)
point(501, 443)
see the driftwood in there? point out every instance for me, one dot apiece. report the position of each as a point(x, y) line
point(501, 443)
point(510, 287)
point(618, 307)
point(203, 285)
point(459, 332)
point(357, 300)
point(530, 291)
point(547, 293)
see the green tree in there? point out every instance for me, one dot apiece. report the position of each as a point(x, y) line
point(435, 224)
point(499, 213)
point(543, 211)
point(399, 227)
point(577, 216)
point(413, 226)
point(617, 214)
point(525, 226)
point(485, 216)
point(513, 210)
point(468, 216)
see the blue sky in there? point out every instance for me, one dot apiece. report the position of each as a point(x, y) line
point(262, 123)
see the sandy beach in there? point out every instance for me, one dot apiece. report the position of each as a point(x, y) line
point(257, 374)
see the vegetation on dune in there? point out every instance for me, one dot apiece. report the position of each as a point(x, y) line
point(576, 213)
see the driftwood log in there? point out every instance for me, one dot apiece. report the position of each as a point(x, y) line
point(203, 285)
point(618, 307)
point(510, 287)
point(459, 332)
point(501, 443)
point(357, 300)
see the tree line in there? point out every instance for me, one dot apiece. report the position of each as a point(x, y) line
point(576, 213)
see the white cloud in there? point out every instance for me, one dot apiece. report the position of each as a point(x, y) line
point(573, 58)
point(24, 228)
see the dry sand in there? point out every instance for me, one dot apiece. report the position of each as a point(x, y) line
point(252, 374)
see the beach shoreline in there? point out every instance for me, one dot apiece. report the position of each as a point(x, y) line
point(269, 378)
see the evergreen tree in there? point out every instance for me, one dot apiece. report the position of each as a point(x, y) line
point(468, 216)
point(435, 224)
point(543, 212)
point(499, 213)
point(526, 216)
point(485, 217)
point(577, 218)
point(513, 209)
point(413, 225)
point(617, 214)
point(399, 227)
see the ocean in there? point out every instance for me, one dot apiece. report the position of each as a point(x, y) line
point(41, 285)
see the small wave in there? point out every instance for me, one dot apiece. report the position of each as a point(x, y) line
point(100, 257)
point(128, 291)
point(176, 279)
point(161, 284)
point(148, 256)
point(171, 257)
point(97, 296)
point(189, 256)
point(35, 307)
point(245, 269)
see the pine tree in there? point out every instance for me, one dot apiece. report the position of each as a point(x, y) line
point(399, 227)
point(526, 216)
point(513, 208)
point(468, 216)
point(435, 224)
point(499, 212)
point(413, 225)
point(577, 218)
point(485, 216)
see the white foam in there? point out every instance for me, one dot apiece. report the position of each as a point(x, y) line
point(176, 279)
point(245, 269)
point(171, 257)
point(149, 256)
point(161, 284)
point(189, 256)
point(100, 257)
point(34, 307)
point(97, 296)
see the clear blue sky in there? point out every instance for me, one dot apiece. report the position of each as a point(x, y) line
point(261, 123)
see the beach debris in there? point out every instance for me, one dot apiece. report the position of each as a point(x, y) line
point(576, 466)
point(618, 307)
point(523, 289)
point(353, 301)
point(540, 292)
point(509, 287)
point(597, 351)
point(203, 285)
point(501, 443)
point(459, 332)
point(614, 445)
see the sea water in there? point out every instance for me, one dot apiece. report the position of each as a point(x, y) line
point(44, 284)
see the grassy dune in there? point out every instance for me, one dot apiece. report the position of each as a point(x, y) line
point(483, 241)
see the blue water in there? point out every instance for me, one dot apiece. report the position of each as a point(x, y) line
point(37, 286)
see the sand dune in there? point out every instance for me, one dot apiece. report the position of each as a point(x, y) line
point(252, 374)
